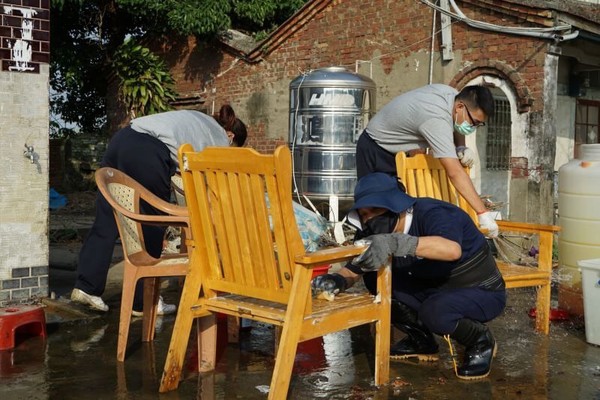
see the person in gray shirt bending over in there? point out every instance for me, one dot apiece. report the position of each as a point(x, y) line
point(435, 117)
point(146, 151)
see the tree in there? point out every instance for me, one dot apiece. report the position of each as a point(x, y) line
point(86, 36)
point(145, 82)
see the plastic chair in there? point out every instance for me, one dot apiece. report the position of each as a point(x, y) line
point(248, 260)
point(124, 194)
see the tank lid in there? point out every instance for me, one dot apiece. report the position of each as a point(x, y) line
point(333, 77)
point(590, 152)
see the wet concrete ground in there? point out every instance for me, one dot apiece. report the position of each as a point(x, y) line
point(78, 359)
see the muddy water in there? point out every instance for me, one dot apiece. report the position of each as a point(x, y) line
point(78, 361)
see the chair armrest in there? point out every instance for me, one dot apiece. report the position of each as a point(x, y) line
point(526, 227)
point(175, 215)
point(160, 204)
point(164, 220)
point(332, 255)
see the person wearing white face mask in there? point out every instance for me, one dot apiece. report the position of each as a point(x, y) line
point(445, 280)
point(432, 118)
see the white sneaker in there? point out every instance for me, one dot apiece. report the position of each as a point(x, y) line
point(162, 309)
point(95, 302)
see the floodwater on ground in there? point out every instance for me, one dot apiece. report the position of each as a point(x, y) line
point(78, 361)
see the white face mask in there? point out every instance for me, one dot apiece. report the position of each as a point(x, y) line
point(464, 128)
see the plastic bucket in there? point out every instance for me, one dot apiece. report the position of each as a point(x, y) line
point(590, 283)
point(320, 270)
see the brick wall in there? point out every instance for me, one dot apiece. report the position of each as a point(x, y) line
point(390, 42)
point(392, 36)
point(24, 52)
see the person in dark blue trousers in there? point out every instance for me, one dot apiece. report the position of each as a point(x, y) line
point(146, 151)
point(444, 278)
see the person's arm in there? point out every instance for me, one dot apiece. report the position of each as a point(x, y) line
point(334, 283)
point(462, 182)
point(399, 244)
point(438, 248)
point(351, 277)
point(459, 140)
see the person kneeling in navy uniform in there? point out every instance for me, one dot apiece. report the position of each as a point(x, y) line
point(444, 278)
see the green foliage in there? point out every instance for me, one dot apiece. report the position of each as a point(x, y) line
point(145, 81)
point(86, 34)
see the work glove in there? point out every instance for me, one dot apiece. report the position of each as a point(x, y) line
point(385, 245)
point(466, 156)
point(330, 283)
point(486, 221)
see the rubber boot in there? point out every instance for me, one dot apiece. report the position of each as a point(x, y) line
point(419, 342)
point(480, 349)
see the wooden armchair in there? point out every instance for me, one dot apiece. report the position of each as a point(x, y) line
point(239, 266)
point(424, 176)
point(124, 194)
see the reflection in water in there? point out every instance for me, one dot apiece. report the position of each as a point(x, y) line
point(77, 362)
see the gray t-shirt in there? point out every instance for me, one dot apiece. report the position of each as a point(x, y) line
point(175, 128)
point(420, 118)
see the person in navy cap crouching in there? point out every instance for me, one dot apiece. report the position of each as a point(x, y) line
point(444, 278)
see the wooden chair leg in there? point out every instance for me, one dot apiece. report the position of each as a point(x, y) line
point(382, 352)
point(284, 363)
point(181, 334)
point(151, 294)
point(542, 319)
point(233, 329)
point(207, 343)
point(277, 338)
point(129, 281)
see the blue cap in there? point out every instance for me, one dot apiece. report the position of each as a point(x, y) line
point(382, 191)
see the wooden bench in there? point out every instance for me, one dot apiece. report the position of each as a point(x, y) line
point(424, 176)
point(247, 260)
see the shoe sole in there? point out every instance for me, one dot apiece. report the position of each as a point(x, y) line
point(420, 357)
point(477, 377)
point(85, 302)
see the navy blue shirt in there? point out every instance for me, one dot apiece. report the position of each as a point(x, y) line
point(433, 217)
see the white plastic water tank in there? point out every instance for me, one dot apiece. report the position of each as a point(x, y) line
point(579, 219)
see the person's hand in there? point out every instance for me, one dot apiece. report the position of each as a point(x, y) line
point(385, 245)
point(486, 221)
point(466, 156)
point(330, 283)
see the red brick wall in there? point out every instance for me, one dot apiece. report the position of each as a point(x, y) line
point(388, 32)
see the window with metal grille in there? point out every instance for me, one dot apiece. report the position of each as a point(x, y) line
point(587, 123)
point(498, 137)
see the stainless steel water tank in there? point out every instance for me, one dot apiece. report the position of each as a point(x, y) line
point(329, 108)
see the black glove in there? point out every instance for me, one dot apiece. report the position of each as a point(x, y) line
point(331, 283)
point(385, 245)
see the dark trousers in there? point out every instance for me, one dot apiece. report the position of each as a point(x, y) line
point(148, 161)
point(440, 310)
point(370, 157)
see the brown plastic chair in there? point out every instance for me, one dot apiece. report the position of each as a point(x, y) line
point(124, 194)
point(425, 176)
point(239, 266)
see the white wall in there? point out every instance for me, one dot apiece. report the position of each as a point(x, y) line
point(24, 119)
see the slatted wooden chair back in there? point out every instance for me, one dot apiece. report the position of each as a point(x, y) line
point(424, 176)
point(245, 212)
point(248, 260)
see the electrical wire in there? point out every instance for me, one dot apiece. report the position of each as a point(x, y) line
point(543, 33)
